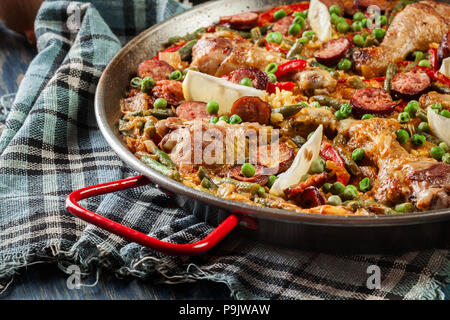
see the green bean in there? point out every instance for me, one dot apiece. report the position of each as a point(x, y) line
point(422, 115)
point(164, 158)
point(203, 175)
point(299, 141)
point(357, 83)
point(256, 34)
point(249, 187)
point(431, 138)
point(390, 73)
point(371, 40)
point(346, 155)
point(327, 101)
point(288, 111)
point(186, 50)
point(208, 184)
point(332, 71)
point(194, 35)
point(155, 165)
point(243, 34)
point(162, 113)
point(441, 88)
point(410, 66)
point(295, 50)
point(265, 29)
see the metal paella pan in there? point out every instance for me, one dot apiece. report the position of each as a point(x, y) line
point(347, 233)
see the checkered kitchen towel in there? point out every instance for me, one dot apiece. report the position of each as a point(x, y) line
point(51, 145)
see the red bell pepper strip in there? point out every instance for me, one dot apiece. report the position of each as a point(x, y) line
point(267, 17)
point(433, 58)
point(275, 47)
point(379, 79)
point(290, 66)
point(436, 75)
point(171, 49)
point(329, 153)
point(288, 86)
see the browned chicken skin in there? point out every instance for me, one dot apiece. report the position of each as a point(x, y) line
point(414, 28)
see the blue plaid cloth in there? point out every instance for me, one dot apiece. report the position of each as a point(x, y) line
point(51, 146)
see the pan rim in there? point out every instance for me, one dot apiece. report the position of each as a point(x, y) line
point(229, 205)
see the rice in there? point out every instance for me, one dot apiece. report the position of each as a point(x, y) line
point(280, 98)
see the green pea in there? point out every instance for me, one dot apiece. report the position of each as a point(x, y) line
point(147, 84)
point(364, 22)
point(160, 103)
point(338, 114)
point(303, 40)
point(350, 193)
point(304, 14)
point(212, 107)
point(176, 75)
point(344, 64)
point(381, 20)
point(379, 33)
point(315, 104)
point(274, 37)
point(357, 26)
point(334, 18)
point(418, 140)
point(367, 116)
point(335, 9)
point(327, 187)
point(343, 27)
point(412, 107)
point(337, 188)
point(334, 201)
point(359, 40)
point(358, 16)
point(280, 14)
point(436, 107)
point(404, 117)
point(271, 181)
point(317, 166)
point(364, 185)
point(136, 82)
point(346, 110)
point(402, 136)
point(423, 127)
point(294, 29)
point(214, 120)
point(300, 21)
point(358, 154)
point(248, 170)
point(444, 146)
point(424, 63)
point(445, 113)
point(309, 34)
point(272, 77)
point(404, 207)
point(235, 119)
point(446, 158)
point(224, 118)
point(247, 82)
point(272, 68)
point(437, 153)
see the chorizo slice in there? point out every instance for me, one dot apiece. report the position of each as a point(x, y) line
point(282, 25)
point(259, 79)
point(269, 158)
point(316, 180)
point(259, 177)
point(193, 111)
point(242, 21)
point(410, 84)
point(332, 51)
point(444, 49)
point(170, 90)
point(311, 197)
point(364, 4)
point(157, 69)
point(371, 100)
point(252, 109)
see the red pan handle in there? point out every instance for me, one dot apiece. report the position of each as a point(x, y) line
point(135, 236)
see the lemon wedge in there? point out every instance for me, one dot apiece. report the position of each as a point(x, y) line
point(439, 125)
point(202, 87)
point(306, 155)
point(319, 20)
point(445, 67)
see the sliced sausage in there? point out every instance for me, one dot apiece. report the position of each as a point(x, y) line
point(444, 49)
point(269, 158)
point(193, 111)
point(157, 69)
point(410, 84)
point(331, 52)
point(371, 100)
point(316, 180)
point(364, 4)
point(243, 21)
point(349, 7)
point(259, 78)
point(259, 177)
point(170, 90)
point(282, 25)
point(311, 197)
point(252, 109)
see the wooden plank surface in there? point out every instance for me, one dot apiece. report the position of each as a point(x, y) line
point(47, 281)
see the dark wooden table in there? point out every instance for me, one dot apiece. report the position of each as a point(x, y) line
point(46, 281)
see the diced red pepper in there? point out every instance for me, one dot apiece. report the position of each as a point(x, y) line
point(329, 153)
point(400, 107)
point(275, 47)
point(436, 75)
point(171, 49)
point(288, 86)
point(267, 17)
point(211, 29)
point(298, 7)
point(379, 79)
point(290, 66)
point(433, 58)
